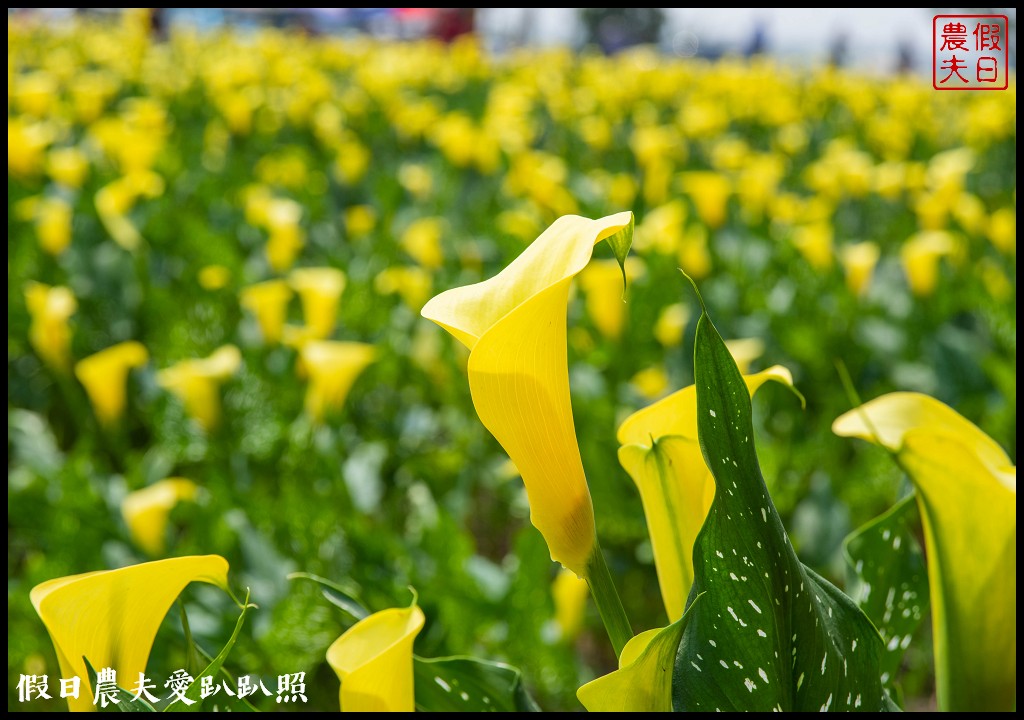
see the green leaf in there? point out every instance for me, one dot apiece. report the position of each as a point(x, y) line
point(620, 243)
point(466, 684)
point(890, 582)
point(342, 596)
point(193, 691)
point(770, 634)
point(126, 701)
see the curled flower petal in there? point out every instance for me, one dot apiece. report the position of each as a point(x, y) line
point(50, 333)
point(373, 661)
point(332, 367)
point(105, 377)
point(320, 291)
point(146, 511)
point(197, 383)
point(268, 301)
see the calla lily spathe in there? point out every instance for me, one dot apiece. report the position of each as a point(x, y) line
point(967, 495)
point(373, 661)
point(514, 325)
point(601, 281)
point(50, 333)
point(146, 511)
point(661, 453)
point(332, 368)
point(197, 383)
point(319, 291)
point(104, 375)
point(569, 594)
point(111, 617)
point(920, 256)
point(859, 262)
point(268, 302)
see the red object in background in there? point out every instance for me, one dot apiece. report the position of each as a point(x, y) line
point(453, 22)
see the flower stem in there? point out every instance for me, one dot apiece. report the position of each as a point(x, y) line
point(608, 603)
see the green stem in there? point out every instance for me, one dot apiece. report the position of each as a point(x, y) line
point(608, 602)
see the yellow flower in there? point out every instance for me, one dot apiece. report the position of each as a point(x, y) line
point(859, 262)
point(53, 225)
point(360, 220)
point(570, 596)
point(36, 93)
point(416, 179)
point(268, 301)
point(920, 255)
point(693, 255)
point(26, 146)
point(514, 325)
point(116, 199)
point(105, 377)
point(197, 383)
point(50, 333)
point(286, 237)
point(68, 166)
point(111, 617)
point(413, 284)
point(319, 291)
point(661, 453)
point(373, 661)
point(333, 367)
point(662, 228)
point(710, 194)
point(651, 382)
point(1002, 229)
point(422, 240)
point(814, 242)
point(967, 495)
point(214, 277)
point(601, 281)
point(668, 330)
point(146, 511)
point(745, 351)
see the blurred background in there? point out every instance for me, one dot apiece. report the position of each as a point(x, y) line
point(173, 174)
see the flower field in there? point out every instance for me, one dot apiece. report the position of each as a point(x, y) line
point(225, 252)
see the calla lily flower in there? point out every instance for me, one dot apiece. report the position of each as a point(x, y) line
point(920, 256)
point(111, 617)
point(643, 682)
point(661, 453)
point(745, 351)
point(53, 225)
point(68, 166)
point(146, 511)
point(213, 277)
point(116, 199)
point(814, 241)
point(1002, 229)
point(601, 281)
point(50, 333)
point(967, 494)
point(514, 325)
point(422, 240)
point(373, 661)
point(668, 330)
point(570, 595)
point(104, 375)
point(319, 291)
point(268, 301)
point(332, 367)
point(710, 194)
point(859, 262)
point(286, 236)
point(197, 383)
point(413, 285)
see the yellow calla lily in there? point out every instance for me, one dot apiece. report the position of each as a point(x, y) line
point(601, 281)
point(814, 242)
point(50, 333)
point(710, 194)
point(1002, 229)
point(319, 291)
point(859, 262)
point(286, 236)
point(373, 661)
point(268, 301)
point(661, 454)
point(514, 325)
point(332, 367)
point(745, 351)
point(197, 383)
point(213, 277)
point(570, 596)
point(920, 256)
point(111, 617)
point(422, 240)
point(413, 285)
point(53, 225)
point(643, 682)
point(360, 220)
point(668, 330)
point(68, 166)
point(146, 511)
point(967, 494)
point(651, 382)
point(104, 375)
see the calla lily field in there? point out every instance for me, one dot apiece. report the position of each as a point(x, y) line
point(367, 375)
